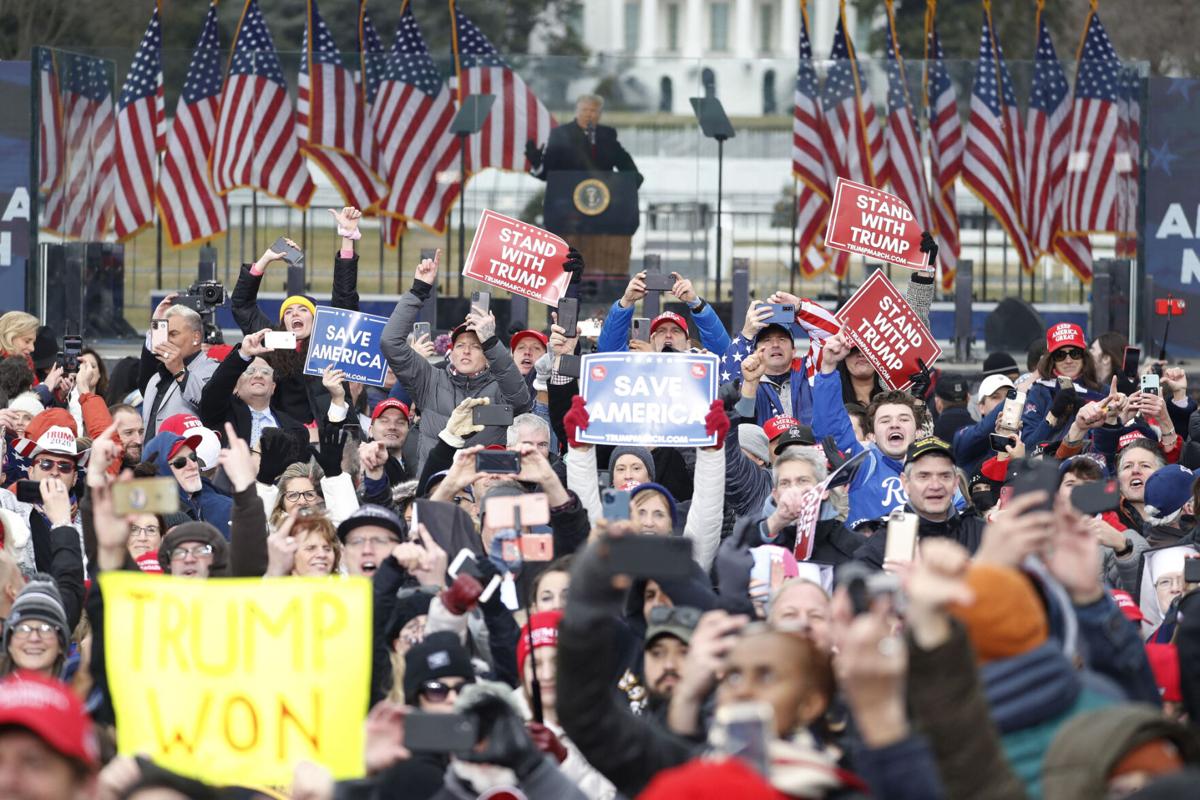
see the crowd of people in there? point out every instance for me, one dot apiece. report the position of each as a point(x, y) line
point(981, 587)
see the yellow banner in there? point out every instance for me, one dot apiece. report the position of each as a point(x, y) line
point(233, 681)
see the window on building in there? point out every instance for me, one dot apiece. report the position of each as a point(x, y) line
point(718, 34)
point(632, 26)
point(673, 27)
point(766, 27)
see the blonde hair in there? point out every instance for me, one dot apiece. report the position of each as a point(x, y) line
point(14, 324)
point(300, 469)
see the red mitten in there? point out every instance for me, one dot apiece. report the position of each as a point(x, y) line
point(717, 421)
point(576, 419)
point(545, 741)
point(462, 595)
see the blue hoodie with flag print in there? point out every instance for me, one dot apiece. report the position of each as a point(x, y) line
point(875, 488)
point(768, 403)
point(207, 505)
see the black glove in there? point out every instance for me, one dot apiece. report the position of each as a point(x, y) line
point(733, 564)
point(574, 262)
point(929, 247)
point(332, 441)
point(1066, 403)
point(534, 154)
point(921, 381)
point(502, 732)
point(279, 449)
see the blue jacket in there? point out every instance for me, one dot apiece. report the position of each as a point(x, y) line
point(767, 402)
point(875, 489)
point(207, 505)
point(1034, 428)
point(971, 445)
point(614, 334)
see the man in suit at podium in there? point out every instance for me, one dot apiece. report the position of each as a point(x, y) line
point(586, 146)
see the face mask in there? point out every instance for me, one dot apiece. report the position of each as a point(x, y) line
point(505, 551)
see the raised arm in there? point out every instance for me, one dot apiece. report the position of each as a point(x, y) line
point(345, 264)
point(410, 368)
point(829, 413)
point(614, 334)
point(705, 517)
point(712, 331)
point(244, 301)
point(500, 364)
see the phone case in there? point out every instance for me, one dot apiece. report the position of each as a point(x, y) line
point(659, 282)
point(901, 544)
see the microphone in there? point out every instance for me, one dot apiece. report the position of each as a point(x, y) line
point(591, 133)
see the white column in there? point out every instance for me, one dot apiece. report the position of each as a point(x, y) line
point(616, 26)
point(648, 35)
point(695, 39)
point(789, 29)
point(743, 29)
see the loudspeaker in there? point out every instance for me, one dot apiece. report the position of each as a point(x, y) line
point(1013, 326)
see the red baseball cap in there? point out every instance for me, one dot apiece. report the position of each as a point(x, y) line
point(669, 316)
point(50, 711)
point(192, 440)
point(1065, 334)
point(528, 334)
point(219, 352)
point(777, 426)
point(1127, 604)
point(387, 405)
point(545, 634)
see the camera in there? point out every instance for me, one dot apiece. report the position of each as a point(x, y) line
point(202, 297)
point(864, 585)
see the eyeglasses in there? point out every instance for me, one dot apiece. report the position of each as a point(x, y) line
point(26, 629)
point(439, 692)
point(1169, 582)
point(147, 532)
point(359, 542)
point(60, 467)
point(266, 372)
point(198, 552)
point(1073, 353)
point(182, 461)
point(294, 497)
point(683, 616)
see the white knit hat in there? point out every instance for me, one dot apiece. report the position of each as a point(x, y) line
point(27, 402)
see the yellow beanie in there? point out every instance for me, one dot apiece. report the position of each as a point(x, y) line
point(297, 300)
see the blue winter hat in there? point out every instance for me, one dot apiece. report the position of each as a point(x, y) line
point(664, 491)
point(1167, 490)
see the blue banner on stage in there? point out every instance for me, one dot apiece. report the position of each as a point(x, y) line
point(14, 184)
point(349, 340)
point(1172, 224)
point(648, 399)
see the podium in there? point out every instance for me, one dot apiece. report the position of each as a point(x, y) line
point(597, 213)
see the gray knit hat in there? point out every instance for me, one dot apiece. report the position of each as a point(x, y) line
point(753, 439)
point(642, 454)
point(39, 600)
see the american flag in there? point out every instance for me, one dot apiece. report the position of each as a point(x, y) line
point(810, 160)
point(141, 130)
point(517, 116)
point(1098, 153)
point(50, 122)
point(80, 206)
point(331, 121)
point(1047, 127)
point(906, 172)
point(191, 209)
point(373, 66)
point(945, 146)
point(852, 129)
point(992, 163)
point(1131, 126)
point(412, 108)
point(256, 144)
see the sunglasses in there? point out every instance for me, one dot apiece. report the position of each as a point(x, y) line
point(684, 616)
point(1073, 353)
point(438, 692)
point(182, 461)
point(60, 467)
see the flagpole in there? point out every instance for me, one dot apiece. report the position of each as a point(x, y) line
point(158, 250)
point(254, 221)
point(795, 264)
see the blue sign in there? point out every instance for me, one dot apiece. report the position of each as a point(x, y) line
point(649, 399)
point(14, 184)
point(349, 340)
point(1172, 225)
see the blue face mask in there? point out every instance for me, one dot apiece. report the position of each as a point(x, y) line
point(505, 551)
